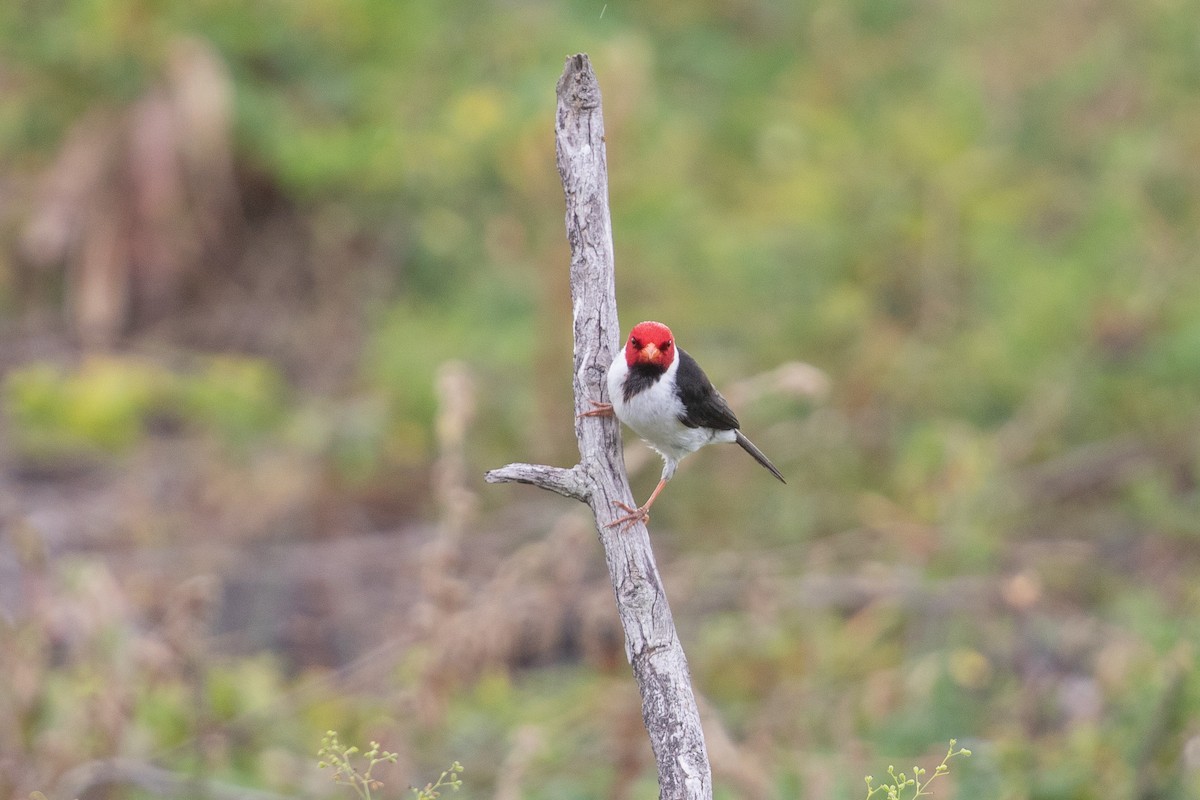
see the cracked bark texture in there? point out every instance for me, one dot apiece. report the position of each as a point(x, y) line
point(668, 705)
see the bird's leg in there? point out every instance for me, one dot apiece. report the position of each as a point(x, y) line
point(599, 410)
point(637, 514)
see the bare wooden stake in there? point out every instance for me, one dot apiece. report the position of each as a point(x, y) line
point(651, 643)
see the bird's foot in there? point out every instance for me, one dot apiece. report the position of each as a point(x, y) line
point(632, 516)
point(600, 410)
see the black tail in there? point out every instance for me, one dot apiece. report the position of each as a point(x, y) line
point(749, 447)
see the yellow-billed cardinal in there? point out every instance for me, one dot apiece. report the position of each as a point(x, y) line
point(661, 393)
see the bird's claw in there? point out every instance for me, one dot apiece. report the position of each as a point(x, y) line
point(631, 518)
point(599, 410)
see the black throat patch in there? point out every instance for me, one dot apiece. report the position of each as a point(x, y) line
point(640, 378)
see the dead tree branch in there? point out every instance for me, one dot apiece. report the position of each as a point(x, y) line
point(652, 645)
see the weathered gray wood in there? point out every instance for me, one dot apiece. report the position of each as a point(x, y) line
point(652, 645)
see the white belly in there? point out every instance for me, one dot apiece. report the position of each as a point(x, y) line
point(654, 413)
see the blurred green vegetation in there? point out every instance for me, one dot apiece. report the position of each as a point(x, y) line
point(108, 404)
point(980, 221)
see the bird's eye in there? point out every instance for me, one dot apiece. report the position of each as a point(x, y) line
point(667, 345)
point(636, 344)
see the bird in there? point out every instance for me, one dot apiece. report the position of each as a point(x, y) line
point(662, 394)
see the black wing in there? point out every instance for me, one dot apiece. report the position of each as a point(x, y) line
point(703, 406)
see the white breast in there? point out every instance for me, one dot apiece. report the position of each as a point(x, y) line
point(654, 413)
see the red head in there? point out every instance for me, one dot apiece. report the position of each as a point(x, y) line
point(650, 343)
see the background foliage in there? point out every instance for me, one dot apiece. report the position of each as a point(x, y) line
point(278, 281)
